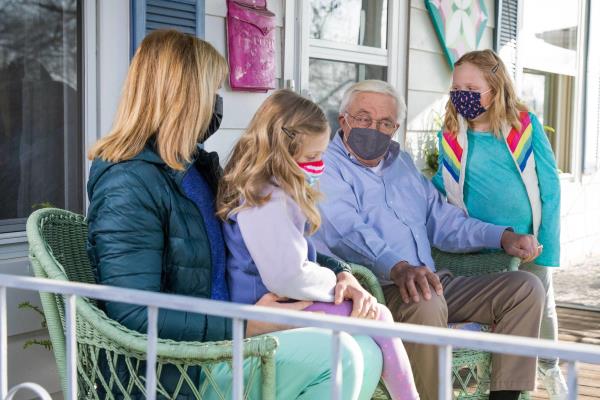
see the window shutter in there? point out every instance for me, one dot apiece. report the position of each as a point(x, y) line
point(147, 15)
point(507, 27)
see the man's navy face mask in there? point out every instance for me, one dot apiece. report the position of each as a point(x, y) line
point(368, 144)
point(467, 103)
point(217, 117)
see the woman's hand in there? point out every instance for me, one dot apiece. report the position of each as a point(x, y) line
point(255, 328)
point(364, 305)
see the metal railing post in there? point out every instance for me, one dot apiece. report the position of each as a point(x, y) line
point(238, 359)
point(445, 372)
point(152, 334)
point(572, 380)
point(71, 345)
point(336, 366)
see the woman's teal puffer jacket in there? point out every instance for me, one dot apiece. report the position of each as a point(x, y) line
point(144, 233)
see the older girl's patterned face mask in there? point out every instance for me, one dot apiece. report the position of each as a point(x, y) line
point(468, 102)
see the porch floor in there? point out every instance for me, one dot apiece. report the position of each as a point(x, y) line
point(582, 326)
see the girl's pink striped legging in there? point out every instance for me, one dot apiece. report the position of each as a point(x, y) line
point(397, 374)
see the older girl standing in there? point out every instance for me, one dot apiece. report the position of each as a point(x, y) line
point(497, 164)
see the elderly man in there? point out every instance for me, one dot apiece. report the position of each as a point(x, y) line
point(380, 212)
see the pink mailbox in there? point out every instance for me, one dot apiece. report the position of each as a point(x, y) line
point(251, 44)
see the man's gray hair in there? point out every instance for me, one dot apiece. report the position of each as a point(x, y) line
point(376, 86)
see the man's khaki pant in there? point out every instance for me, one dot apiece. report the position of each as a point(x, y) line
point(512, 301)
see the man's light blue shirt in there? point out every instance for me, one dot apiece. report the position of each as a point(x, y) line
point(395, 214)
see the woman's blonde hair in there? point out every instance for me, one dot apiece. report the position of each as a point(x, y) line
point(504, 107)
point(265, 154)
point(168, 95)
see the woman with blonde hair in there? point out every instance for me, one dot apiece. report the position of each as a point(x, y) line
point(496, 163)
point(268, 201)
point(152, 222)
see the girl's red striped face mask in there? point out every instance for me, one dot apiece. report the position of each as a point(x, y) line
point(312, 171)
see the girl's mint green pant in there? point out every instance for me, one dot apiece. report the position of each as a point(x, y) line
point(303, 367)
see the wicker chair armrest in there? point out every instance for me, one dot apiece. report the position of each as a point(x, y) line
point(471, 264)
point(369, 281)
point(108, 333)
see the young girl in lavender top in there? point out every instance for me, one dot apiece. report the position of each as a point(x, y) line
point(267, 200)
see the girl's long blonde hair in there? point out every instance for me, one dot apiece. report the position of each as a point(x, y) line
point(265, 154)
point(504, 107)
point(168, 95)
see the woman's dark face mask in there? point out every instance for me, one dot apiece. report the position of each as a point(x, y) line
point(217, 117)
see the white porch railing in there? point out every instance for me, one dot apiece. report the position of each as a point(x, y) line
point(444, 338)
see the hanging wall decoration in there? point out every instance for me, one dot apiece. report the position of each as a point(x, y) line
point(459, 25)
point(251, 45)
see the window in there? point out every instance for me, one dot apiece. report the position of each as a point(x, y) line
point(354, 22)
point(348, 43)
point(549, 53)
point(41, 151)
point(329, 79)
point(533, 92)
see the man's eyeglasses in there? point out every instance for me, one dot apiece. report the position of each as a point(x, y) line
point(365, 121)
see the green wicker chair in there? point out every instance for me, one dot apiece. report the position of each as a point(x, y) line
point(57, 251)
point(470, 368)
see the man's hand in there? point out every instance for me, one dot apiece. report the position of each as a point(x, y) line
point(364, 305)
point(408, 277)
point(272, 300)
point(526, 247)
